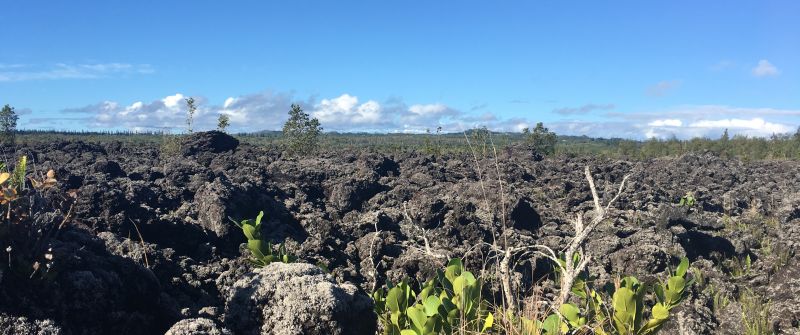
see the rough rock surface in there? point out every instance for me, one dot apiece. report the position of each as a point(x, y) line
point(198, 326)
point(174, 210)
point(284, 299)
point(22, 325)
point(208, 142)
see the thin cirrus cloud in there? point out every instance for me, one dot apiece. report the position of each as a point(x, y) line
point(583, 109)
point(61, 71)
point(663, 88)
point(765, 69)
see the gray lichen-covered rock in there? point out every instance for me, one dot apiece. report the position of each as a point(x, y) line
point(198, 326)
point(296, 299)
point(212, 201)
point(22, 325)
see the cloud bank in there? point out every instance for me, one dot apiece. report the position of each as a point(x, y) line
point(348, 113)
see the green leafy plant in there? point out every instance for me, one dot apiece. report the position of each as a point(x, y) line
point(263, 252)
point(625, 314)
point(448, 303)
point(687, 200)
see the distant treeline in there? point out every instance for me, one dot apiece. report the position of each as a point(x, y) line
point(786, 146)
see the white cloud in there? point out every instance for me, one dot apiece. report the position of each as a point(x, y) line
point(665, 123)
point(421, 117)
point(253, 112)
point(712, 120)
point(765, 69)
point(345, 110)
point(268, 111)
point(22, 72)
point(754, 126)
point(172, 101)
point(168, 113)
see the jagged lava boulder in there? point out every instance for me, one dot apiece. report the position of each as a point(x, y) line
point(208, 142)
point(297, 298)
point(196, 326)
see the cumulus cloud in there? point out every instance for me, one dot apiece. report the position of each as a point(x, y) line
point(23, 72)
point(765, 69)
point(268, 111)
point(582, 109)
point(260, 111)
point(663, 88)
point(755, 126)
point(605, 129)
point(666, 123)
point(169, 112)
point(712, 120)
point(346, 111)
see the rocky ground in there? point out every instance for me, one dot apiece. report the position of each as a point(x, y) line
point(149, 248)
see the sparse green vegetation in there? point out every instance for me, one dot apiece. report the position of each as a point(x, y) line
point(262, 252)
point(223, 122)
point(170, 144)
point(719, 300)
point(687, 200)
point(738, 267)
point(541, 139)
point(301, 132)
point(755, 314)
point(8, 125)
point(776, 147)
point(191, 109)
point(26, 241)
point(452, 302)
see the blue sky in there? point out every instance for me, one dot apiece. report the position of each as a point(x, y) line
point(614, 69)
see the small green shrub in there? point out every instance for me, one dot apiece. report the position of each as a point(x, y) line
point(301, 132)
point(263, 252)
point(8, 125)
point(687, 200)
point(541, 139)
point(223, 122)
point(191, 109)
point(449, 303)
point(170, 145)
